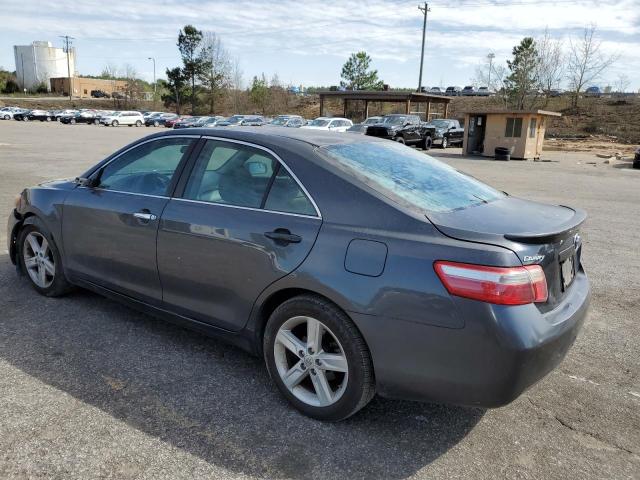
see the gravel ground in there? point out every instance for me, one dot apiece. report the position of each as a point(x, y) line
point(92, 389)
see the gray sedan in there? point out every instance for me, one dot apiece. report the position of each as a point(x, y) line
point(353, 265)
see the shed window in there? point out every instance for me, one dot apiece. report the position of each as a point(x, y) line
point(514, 127)
point(532, 128)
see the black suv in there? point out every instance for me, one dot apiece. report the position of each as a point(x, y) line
point(99, 94)
point(402, 128)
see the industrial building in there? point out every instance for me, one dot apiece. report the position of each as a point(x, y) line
point(82, 87)
point(39, 62)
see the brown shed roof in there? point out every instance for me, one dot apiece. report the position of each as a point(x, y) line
point(385, 96)
point(514, 112)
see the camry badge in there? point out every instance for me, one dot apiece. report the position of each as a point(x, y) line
point(533, 258)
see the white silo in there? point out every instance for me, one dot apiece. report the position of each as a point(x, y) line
point(40, 61)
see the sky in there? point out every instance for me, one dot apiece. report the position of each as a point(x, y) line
point(305, 42)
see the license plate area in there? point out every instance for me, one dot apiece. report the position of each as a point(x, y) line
point(567, 267)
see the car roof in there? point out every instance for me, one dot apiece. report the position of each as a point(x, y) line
point(265, 134)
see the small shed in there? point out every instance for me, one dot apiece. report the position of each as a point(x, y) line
point(522, 132)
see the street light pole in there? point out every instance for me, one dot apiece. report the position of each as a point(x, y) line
point(155, 85)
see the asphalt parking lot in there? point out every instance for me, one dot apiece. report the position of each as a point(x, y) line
point(92, 389)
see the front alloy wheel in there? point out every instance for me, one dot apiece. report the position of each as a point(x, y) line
point(445, 142)
point(39, 260)
point(318, 359)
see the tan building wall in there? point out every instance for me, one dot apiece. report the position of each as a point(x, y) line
point(81, 86)
point(527, 145)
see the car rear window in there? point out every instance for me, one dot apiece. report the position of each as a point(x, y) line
point(409, 177)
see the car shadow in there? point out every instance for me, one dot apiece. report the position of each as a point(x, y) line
point(206, 397)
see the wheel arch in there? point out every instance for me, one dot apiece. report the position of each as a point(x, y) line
point(265, 307)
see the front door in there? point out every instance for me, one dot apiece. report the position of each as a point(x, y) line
point(477, 125)
point(242, 222)
point(109, 231)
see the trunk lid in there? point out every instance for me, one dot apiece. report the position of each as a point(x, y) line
point(537, 233)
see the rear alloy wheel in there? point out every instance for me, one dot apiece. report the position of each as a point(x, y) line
point(318, 359)
point(96, 122)
point(156, 123)
point(445, 142)
point(72, 121)
point(114, 123)
point(426, 143)
point(40, 260)
point(138, 123)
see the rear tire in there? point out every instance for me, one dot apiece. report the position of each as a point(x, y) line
point(40, 260)
point(156, 124)
point(72, 121)
point(445, 143)
point(138, 123)
point(114, 123)
point(330, 378)
point(426, 143)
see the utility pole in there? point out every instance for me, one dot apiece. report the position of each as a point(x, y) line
point(424, 10)
point(491, 56)
point(67, 39)
point(154, 81)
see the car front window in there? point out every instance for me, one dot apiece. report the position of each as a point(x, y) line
point(394, 120)
point(319, 123)
point(410, 178)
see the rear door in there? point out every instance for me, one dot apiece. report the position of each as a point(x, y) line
point(109, 232)
point(241, 222)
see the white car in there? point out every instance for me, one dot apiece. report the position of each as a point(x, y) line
point(123, 118)
point(6, 113)
point(330, 123)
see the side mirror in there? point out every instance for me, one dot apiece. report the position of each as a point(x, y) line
point(86, 182)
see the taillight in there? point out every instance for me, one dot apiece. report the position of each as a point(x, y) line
point(500, 285)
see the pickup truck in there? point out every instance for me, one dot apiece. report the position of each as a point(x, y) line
point(408, 129)
point(446, 132)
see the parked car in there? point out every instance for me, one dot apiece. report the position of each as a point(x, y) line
point(452, 91)
point(293, 121)
point(362, 127)
point(90, 116)
point(21, 115)
point(329, 123)
point(593, 92)
point(170, 122)
point(42, 115)
point(468, 91)
point(408, 129)
point(117, 95)
point(186, 122)
point(636, 158)
point(451, 292)
point(6, 113)
point(435, 91)
point(232, 121)
point(446, 132)
point(484, 92)
point(159, 120)
point(63, 113)
point(252, 121)
point(127, 117)
point(212, 121)
point(147, 115)
point(99, 94)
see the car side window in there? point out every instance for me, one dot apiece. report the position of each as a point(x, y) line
point(147, 168)
point(230, 173)
point(286, 196)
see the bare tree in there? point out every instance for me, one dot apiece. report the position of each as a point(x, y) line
point(217, 76)
point(586, 62)
point(133, 89)
point(550, 64)
point(622, 84)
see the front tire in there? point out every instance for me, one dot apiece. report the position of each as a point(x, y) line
point(40, 260)
point(400, 140)
point(156, 124)
point(318, 358)
point(138, 123)
point(445, 143)
point(114, 123)
point(426, 143)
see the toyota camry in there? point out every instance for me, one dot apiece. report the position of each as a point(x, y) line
point(353, 265)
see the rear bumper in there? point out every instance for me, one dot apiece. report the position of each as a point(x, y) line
point(500, 352)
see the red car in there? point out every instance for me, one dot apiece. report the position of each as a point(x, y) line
point(169, 123)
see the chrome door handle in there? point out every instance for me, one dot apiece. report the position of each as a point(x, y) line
point(145, 216)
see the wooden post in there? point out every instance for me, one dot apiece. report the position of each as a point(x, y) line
point(428, 114)
point(345, 109)
point(446, 110)
point(407, 108)
point(366, 109)
point(322, 105)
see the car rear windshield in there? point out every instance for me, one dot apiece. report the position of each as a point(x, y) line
point(409, 177)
